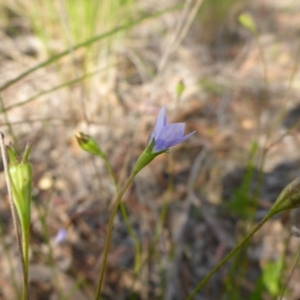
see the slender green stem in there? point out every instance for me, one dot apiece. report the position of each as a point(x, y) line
point(25, 246)
point(48, 91)
point(131, 232)
point(110, 227)
point(158, 227)
point(228, 256)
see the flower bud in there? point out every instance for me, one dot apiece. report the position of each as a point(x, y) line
point(88, 144)
point(289, 198)
point(21, 182)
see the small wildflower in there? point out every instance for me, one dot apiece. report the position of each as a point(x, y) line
point(61, 235)
point(88, 144)
point(167, 135)
point(163, 137)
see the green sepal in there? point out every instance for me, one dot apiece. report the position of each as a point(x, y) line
point(13, 160)
point(146, 157)
point(88, 144)
point(21, 182)
point(25, 158)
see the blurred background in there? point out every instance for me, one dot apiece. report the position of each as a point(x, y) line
point(228, 69)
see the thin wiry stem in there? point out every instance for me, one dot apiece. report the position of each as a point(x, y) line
point(55, 88)
point(290, 276)
point(14, 217)
point(82, 98)
point(228, 256)
point(87, 43)
point(110, 227)
point(126, 220)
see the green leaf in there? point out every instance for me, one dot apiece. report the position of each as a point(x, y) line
point(180, 88)
point(271, 276)
point(247, 21)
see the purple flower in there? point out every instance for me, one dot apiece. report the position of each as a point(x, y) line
point(167, 135)
point(61, 235)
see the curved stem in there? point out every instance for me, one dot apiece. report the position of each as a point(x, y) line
point(228, 256)
point(110, 227)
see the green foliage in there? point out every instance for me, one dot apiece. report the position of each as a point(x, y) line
point(85, 44)
point(243, 201)
point(66, 24)
point(247, 21)
point(272, 272)
point(259, 289)
point(76, 21)
point(180, 87)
